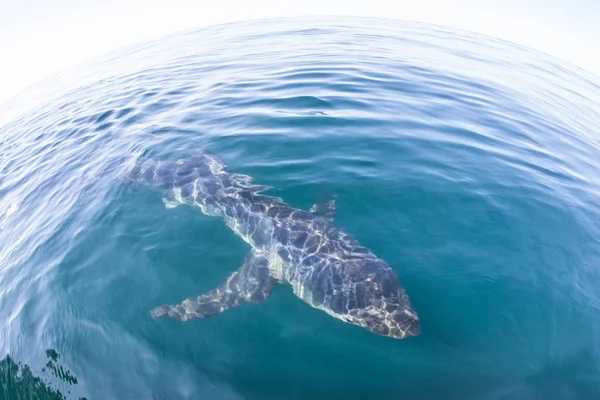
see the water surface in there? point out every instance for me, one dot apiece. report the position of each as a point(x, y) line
point(468, 163)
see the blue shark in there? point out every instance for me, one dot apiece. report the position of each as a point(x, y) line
point(326, 266)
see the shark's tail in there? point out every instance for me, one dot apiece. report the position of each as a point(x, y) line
point(167, 174)
point(201, 179)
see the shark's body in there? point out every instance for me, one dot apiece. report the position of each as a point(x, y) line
point(326, 266)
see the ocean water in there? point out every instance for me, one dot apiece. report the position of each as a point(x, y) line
point(471, 165)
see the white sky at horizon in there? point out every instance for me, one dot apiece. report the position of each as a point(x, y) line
point(40, 38)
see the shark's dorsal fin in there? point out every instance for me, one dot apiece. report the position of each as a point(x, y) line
point(324, 209)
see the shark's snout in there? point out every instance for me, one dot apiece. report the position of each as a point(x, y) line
point(399, 325)
point(381, 305)
point(408, 320)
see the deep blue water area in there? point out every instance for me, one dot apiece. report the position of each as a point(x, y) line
point(471, 165)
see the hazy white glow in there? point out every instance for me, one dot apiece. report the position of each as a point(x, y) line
point(39, 38)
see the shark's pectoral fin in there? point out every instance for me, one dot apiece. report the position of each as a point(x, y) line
point(251, 283)
point(324, 209)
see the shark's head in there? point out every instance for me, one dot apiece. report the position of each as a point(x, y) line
point(374, 299)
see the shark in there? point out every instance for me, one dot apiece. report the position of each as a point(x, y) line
point(325, 265)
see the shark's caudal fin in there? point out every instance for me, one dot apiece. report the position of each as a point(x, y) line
point(165, 174)
point(251, 283)
point(201, 175)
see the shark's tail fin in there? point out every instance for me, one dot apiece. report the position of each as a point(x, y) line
point(167, 174)
point(201, 179)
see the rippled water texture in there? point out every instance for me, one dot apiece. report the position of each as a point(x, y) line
point(469, 164)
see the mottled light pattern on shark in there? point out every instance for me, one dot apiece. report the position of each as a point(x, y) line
point(326, 266)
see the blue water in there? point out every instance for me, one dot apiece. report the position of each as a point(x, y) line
point(467, 163)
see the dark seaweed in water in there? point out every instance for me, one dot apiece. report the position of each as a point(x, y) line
point(18, 381)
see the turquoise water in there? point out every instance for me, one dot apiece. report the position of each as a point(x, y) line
point(469, 164)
